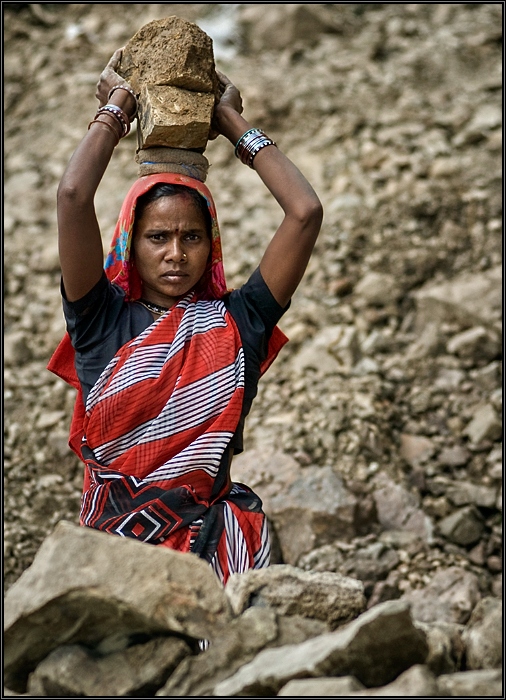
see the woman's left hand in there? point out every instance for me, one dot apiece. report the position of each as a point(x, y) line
point(230, 100)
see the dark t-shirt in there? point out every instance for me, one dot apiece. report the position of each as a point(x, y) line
point(101, 322)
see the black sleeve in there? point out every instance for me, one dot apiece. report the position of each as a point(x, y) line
point(91, 319)
point(255, 312)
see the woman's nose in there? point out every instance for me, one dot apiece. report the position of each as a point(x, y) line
point(174, 251)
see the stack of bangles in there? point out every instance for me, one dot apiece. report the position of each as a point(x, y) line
point(122, 119)
point(250, 144)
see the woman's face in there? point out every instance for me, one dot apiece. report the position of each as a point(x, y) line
point(171, 248)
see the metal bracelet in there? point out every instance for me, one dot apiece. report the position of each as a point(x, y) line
point(128, 89)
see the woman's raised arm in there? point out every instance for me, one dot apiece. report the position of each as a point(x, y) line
point(79, 239)
point(287, 255)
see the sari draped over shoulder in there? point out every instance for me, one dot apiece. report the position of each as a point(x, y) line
point(158, 422)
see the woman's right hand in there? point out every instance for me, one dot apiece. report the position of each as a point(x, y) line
point(109, 78)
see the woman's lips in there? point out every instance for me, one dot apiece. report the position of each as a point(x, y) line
point(174, 275)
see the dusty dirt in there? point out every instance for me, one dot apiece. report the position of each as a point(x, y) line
point(393, 112)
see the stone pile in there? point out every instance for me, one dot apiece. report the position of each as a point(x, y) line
point(375, 440)
point(96, 615)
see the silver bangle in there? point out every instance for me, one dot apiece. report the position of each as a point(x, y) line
point(128, 89)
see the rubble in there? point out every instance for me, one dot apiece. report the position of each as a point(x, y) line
point(395, 378)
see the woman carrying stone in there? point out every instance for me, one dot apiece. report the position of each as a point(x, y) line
point(165, 360)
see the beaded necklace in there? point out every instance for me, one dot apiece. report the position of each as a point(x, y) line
point(154, 308)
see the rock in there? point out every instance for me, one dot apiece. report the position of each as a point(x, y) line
point(475, 343)
point(374, 648)
point(314, 510)
point(483, 635)
point(49, 419)
point(450, 596)
point(428, 343)
point(378, 288)
point(73, 671)
point(446, 648)
point(16, 349)
point(85, 585)
point(484, 425)
point(326, 596)
point(464, 526)
point(399, 509)
point(469, 298)
point(285, 25)
point(320, 687)
point(486, 117)
point(242, 639)
point(267, 472)
point(174, 118)
point(416, 448)
point(326, 558)
point(334, 350)
point(170, 63)
point(417, 681)
point(170, 51)
point(456, 456)
point(479, 684)
point(461, 493)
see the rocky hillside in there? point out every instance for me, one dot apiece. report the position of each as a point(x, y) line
point(375, 440)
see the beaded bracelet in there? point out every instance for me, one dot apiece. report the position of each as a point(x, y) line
point(250, 144)
point(128, 89)
point(109, 126)
point(119, 114)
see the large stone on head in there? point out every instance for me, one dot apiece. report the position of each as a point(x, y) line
point(172, 53)
point(86, 586)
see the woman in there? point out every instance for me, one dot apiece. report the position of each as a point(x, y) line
point(165, 360)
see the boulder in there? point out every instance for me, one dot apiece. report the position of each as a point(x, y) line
point(483, 635)
point(479, 684)
point(374, 648)
point(378, 288)
point(470, 299)
point(461, 493)
point(285, 25)
point(243, 638)
point(475, 343)
point(16, 348)
point(463, 527)
point(484, 425)
point(170, 63)
point(456, 456)
point(73, 671)
point(174, 118)
point(417, 681)
point(416, 448)
point(333, 350)
point(370, 563)
point(85, 586)
point(170, 51)
point(450, 596)
point(326, 596)
point(320, 687)
point(314, 510)
point(399, 509)
point(446, 648)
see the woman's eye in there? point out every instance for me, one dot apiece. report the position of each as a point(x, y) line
point(192, 237)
